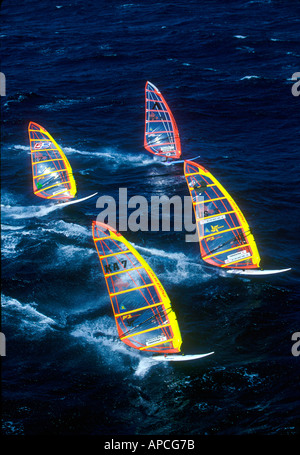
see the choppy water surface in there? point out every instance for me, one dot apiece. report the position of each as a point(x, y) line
point(225, 69)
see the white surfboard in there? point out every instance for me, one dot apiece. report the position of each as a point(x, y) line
point(254, 272)
point(75, 201)
point(180, 357)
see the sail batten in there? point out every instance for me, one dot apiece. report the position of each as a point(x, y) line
point(51, 171)
point(141, 307)
point(224, 235)
point(161, 132)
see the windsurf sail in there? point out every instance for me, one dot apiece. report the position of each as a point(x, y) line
point(161, 132)
point(141, 307)
point(224, 235)
point(51, 171)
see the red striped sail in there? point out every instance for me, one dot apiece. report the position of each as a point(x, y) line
point(161, 132)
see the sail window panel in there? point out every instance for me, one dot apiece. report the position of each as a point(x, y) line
point(213, 192)
point(196, 179)
point(34, 127)
point(217, 242)
point(145, 328)
point(210, 208)
point(55, 190)
point(231, 220)
point(45, 168)
point(145, 319)
point(53, 178)
point(47, 181)
point(160, 139)
point(110, 246)
point(37, 136)
point(136, 299)
point(206, 193)
point(48, 154)
point(191, 169)
point(159, 126)
point(207, 208)
point(128, 280)
point(101, 232)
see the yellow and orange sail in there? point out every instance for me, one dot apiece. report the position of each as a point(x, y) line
point(51, 171)
point(224, 235)
point(141, 307)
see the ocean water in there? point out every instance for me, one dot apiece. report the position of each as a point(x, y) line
point(79, 69)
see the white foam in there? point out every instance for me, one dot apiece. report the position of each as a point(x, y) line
point(69, 230)
point(102, 333)
point(22, 147)
point(72, 253)
point(162, 253)
point(59, 104)
point(11, 236)
point(7, 227)
point(145, 365)
point(29, 318)
point(180, 269)
point(9, 243)
point(249, 77)
point(19, 212)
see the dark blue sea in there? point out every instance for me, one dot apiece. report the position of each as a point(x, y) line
point(79, 69)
